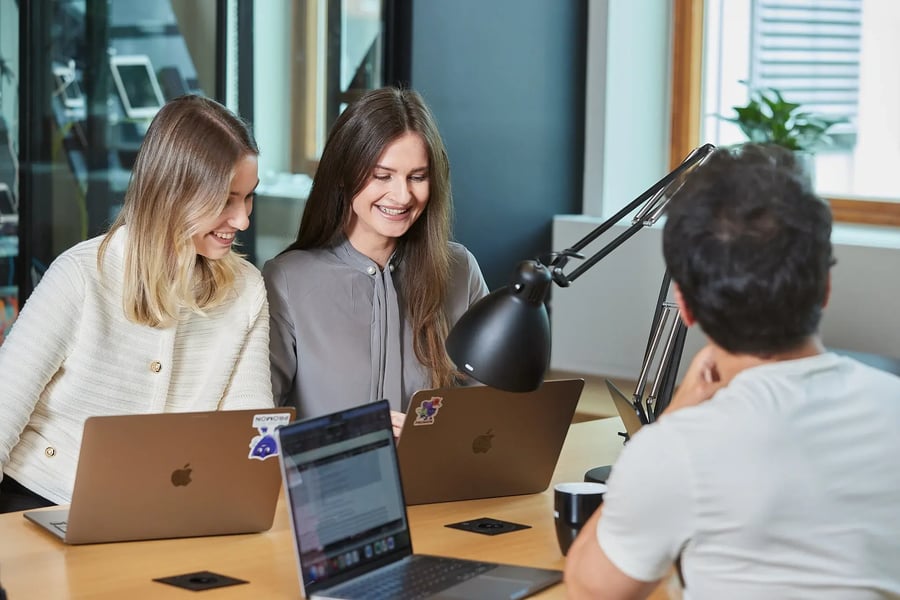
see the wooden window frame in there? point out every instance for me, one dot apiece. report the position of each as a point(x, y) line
point(687, 62)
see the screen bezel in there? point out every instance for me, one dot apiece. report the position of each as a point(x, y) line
point(312, 432)
point(67, 86)
point(137, 60)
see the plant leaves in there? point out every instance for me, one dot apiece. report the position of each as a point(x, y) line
point(769, 118)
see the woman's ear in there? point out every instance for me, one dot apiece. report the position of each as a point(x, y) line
point(687, 317)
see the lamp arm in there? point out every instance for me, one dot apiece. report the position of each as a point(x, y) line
point(664, 365)
point(503, 339)
point(599, 255)
point(655, 337)
point(654, 201)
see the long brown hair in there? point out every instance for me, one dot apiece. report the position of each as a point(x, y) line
point(356, 141)
point(181, 177)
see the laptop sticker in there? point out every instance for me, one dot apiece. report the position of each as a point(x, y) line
point(427, 411)
point(264, 445)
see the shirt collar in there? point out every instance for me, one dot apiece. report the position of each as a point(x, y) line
point(345, 251)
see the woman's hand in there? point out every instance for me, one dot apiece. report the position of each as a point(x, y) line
point(397, 419)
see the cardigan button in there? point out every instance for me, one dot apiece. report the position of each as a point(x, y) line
point(371, 270)
point(156, 366)
point(50, 451)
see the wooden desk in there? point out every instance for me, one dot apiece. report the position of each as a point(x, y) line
point(33, 564)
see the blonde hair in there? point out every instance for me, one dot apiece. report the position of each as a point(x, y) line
point(182, 176)
point(357, 139)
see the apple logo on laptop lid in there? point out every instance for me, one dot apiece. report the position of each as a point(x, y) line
point(182, 476)
point(482, 443)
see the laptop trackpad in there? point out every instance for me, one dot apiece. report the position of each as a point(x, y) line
point(487, 587)
point(504, 582)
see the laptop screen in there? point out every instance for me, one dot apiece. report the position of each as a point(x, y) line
point(346, 500)
point(631, 417)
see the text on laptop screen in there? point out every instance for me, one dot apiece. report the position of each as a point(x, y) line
point(345, 493)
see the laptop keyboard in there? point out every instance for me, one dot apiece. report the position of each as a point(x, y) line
point(416, 578)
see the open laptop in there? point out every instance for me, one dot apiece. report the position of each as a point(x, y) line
point(632, 418)
point(168, 475)
point(351, 530)
point(463, 443)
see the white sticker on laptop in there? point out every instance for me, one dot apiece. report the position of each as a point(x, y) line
point(427, 411)
point(264, 445)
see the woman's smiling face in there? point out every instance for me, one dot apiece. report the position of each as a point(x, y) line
point(215, 236)
point(393, 198)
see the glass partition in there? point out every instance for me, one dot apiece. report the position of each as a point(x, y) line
point(94, 74)
point(311, 58)
point(9, 168)
point(76, 102)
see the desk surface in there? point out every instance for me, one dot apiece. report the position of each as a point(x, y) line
point(35, 564)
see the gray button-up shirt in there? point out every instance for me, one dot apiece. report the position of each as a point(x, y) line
point(338, 336)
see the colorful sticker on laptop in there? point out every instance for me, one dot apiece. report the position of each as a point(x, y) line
point(265, 445)
point(427, 411)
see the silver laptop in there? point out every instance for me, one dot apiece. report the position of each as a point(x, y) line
point(151, 476)
point(632, 417)
point(351, 530)
point(480, 442)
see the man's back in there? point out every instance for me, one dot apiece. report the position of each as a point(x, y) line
point(785, 484)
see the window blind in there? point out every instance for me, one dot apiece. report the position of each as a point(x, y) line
point(810, 51)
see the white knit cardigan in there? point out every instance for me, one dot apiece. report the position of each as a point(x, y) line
point(72, 354)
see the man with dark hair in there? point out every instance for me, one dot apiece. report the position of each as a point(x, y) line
point(773, 472)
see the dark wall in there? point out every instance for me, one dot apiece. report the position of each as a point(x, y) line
point(505, 79)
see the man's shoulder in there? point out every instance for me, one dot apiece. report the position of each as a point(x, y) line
point(826, 375)
point(879, 370)
point(772, 405)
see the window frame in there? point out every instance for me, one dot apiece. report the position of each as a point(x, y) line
point(686, 91)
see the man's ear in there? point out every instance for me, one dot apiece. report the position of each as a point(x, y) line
point(827, 291)
point(687, 317)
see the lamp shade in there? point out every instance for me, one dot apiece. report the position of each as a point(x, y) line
point(503, 340)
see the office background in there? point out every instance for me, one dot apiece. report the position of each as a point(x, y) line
point(555, 115)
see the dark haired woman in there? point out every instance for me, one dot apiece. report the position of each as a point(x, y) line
point(361, 303)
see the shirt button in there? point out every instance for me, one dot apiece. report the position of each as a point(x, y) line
point(391, 267)
point(156, 366)
point(371, 270)
point(50, 451)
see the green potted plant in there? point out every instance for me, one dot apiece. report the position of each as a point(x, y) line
point(768, 118)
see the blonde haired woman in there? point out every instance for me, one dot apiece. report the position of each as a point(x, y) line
point(363, 300)
point(158, 315)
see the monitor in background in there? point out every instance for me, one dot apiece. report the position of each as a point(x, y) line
point(9, 225)
point(137, 86)
point(8, 205)
point(172, 83)
point(67, 86)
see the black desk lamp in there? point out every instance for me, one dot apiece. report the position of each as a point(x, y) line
point(503, 340)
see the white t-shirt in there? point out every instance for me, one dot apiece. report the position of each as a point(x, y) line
point(786, 484)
